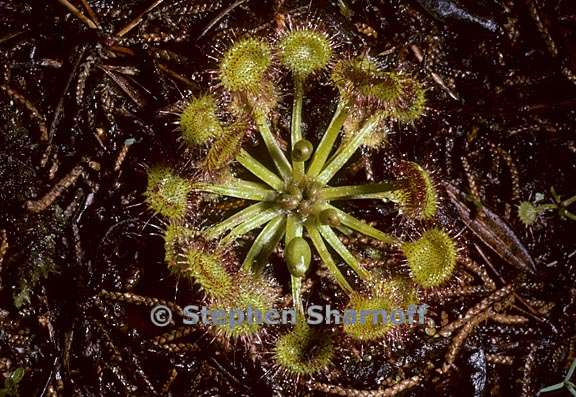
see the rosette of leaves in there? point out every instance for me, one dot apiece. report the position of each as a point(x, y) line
point(291, 200)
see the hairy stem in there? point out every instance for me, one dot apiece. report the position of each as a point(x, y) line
point(546, 207)
point(569, 201)
point(293, 228)
point(569, 215)
point(296, 288)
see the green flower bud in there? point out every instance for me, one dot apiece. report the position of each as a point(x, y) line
point(294, 190)
point(298, 256)
point(303, 150)
point(312, 190)
point(329, 217)
point(288, 202)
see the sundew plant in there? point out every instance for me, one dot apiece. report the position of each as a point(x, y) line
point(257, 192)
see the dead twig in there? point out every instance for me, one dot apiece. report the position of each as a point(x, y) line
point(123, 153)
point(461, 337)
point(508, 319)
point(136, 21)
point(49, 198)
point(3, 246)
point(499, 359)
point(436, 77)
point(475, 311)
point(479, 271)
point(168, 384)
point(34, 113)
point(388, 392)
point(139, 300)
point(221, 15)
point(91, 13)
point(87, 21)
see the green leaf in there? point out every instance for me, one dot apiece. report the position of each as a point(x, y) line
point(316, 238)
point(251, 223)
point(341, 249)
point(548, 389)
point(276, 153)
point(234, 220)
point(369, 191)
point(264, 244)
point(240, 189)
point(259, 170)
point(364, 228)
point(347, 150)
point(327, 143)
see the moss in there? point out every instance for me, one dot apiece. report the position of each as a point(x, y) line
point(11, 383)
point(41, 252)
